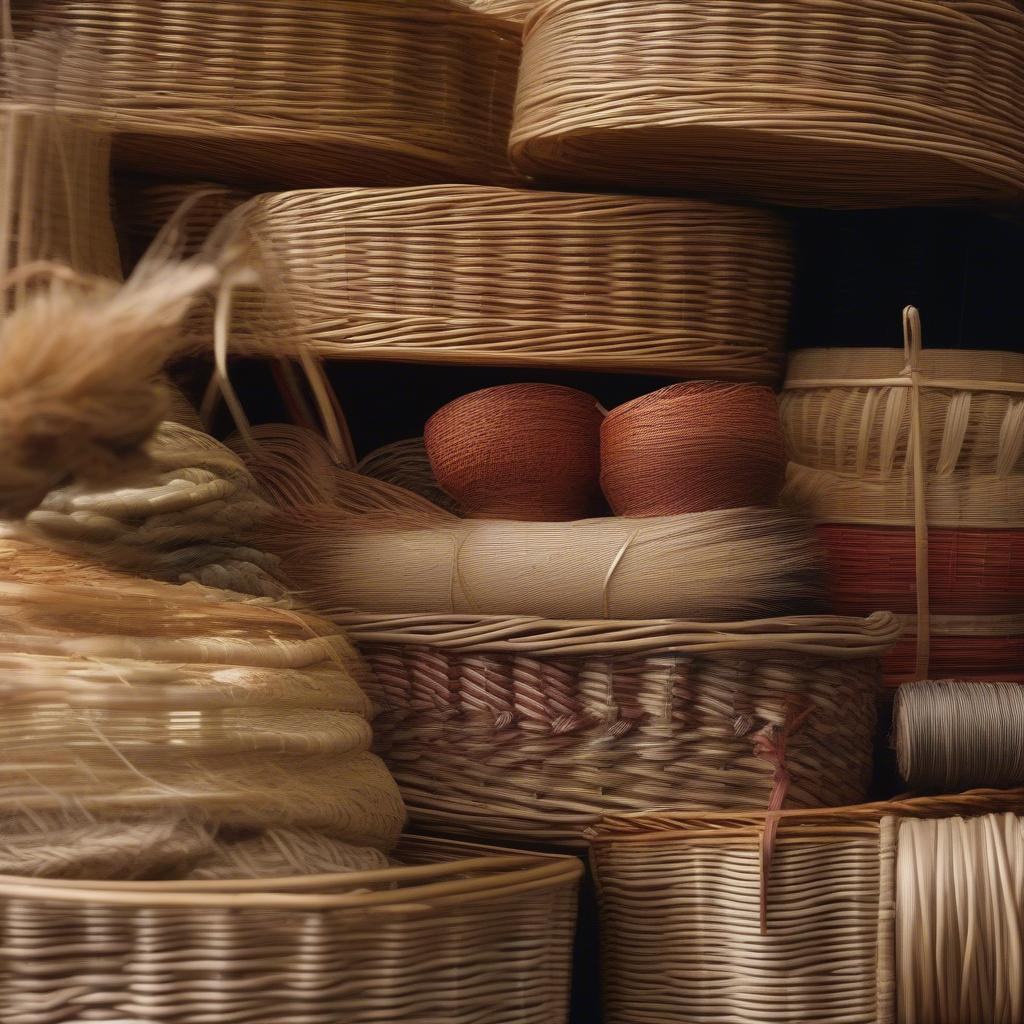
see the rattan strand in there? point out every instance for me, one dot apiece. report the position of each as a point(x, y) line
point(953, 735)
point(680, 894)
point(486, 276)
point(298, 94)
point(462, 933)
point(405, 464)
point(828, 102)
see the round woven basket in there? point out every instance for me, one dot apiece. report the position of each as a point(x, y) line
point(300, 94)
point(875, 567)
point(693, 448)
point(520, 451)
point(819, 103)
point(532, 730)
point(834, 940)
point(457, 933)
point(487, 276)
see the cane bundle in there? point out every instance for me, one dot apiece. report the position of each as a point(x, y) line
point(826, 102)
point(954, 735)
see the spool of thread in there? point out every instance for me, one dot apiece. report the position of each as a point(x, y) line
point(693, 448)
point(521, 451)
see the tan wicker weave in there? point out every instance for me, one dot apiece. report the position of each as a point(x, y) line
point(528, 729)
point(682, 928)
point(503, 277)
point(819, 102)
point(301, 93)
point(461, 934)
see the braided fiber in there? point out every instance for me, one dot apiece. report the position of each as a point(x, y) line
point(693, 448)
point(819, 103)
point(298, 92)
point(953, 735)
point(488, 276)
point(873, 916)
point(521, 451)
point(461, 934)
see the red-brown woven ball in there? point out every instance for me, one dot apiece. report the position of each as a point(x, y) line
point(693, 448)
point(522, 451)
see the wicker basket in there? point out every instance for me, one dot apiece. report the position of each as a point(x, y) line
point(486, 276)
point(531, 730)
point(309, 94)
point(461, 934)
point(682, 918)
point(825, 102)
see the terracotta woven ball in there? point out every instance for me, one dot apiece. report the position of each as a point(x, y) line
point(522, 451)
point(693, 448)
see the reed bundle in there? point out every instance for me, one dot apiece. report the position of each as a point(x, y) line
point(902, 912)
point(151, 696)
point(693, 448)
point(532, 729)
point(876, 567)
point(962, 647)
point(487, 276)
point(405, 464)
point(953, 735)
point(349, 542)
point(312, 94)
point(521, 451)
point(190, 515)
point(458, 933)
point(825, 103)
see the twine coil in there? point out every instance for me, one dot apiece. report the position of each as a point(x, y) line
point(693, 448)
point(521, 451)
point(953, 735)
point(297, 94)
point(856, 103)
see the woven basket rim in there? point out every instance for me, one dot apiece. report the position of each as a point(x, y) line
point(854, 363)
point(670, 823)
point(824, 635)
point(495, 871)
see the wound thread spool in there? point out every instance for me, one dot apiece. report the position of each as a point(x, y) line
point(520, 452)
point(693, 448)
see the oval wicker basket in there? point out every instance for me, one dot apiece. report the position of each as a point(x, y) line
point(822, 102)
point(488, 276)
point(679, 896)
point(531, 730)
point(298, 94)
point(459, 933)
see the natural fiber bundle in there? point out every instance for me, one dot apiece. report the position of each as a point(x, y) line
point(287, 853)
point(405, 464)
point(823, 103)
point(514, 10)
point(955, 735)
point(798, 925)
point(954, 502)
point(521, 451)
point(189, 516)
point(307, 94)
point(145, 205)
point(54, 170)
point(487, 276)
point(975, 570)
point(960, 655)
point(459, 933)
point(530, 729)
point(959, 910)
point(152, 696)
point(836, 419)
point(693, 448)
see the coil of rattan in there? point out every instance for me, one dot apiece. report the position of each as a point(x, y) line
point(488, 276)
point(519, 451)
point(693, 448)
point(844, 103)
point(457, 932)
point(847, 931)
point(952, 735)
point(309, 94)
